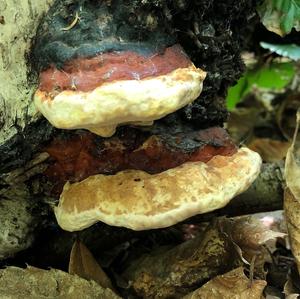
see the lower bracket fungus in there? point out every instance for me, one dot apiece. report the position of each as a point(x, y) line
point(138, 200)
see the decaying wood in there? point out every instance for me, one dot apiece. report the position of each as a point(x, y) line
point(173, 273)
point(36, 283)
point(17, 224)
point(21, 209)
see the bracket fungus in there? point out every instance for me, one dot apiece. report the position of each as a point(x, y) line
point(138, 200)
point(103, 71)
point(108, 76)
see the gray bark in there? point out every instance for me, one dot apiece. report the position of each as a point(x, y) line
point(19, 21)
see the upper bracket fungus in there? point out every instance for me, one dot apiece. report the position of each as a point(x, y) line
point(102, 71)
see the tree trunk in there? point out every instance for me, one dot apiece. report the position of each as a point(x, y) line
point(19, 21)
point(212, 44)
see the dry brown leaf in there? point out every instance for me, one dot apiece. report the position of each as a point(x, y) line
point(272, 220)
point(232, 285)
point(292, 212)
point(271, 22)
point(292, 194)
point(289, 290)
point(240, 123)
point(249, 234)
point(292, 164)
point(83, 264)
point(286, 115)
point(270, 150)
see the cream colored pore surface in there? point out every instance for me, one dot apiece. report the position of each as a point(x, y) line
point(138, 200)
point(130, 101)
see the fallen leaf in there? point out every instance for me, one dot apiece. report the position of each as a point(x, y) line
point(240, 124)
point(286, 114)
point(272, 220)
point(249, 234)
point(280, 16)
point(83, 264)
point(289, 290)
point(270, 150)
point(292, 164)
point(234, 284)
point(292, 212)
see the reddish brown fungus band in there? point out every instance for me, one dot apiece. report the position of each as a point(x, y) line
point(85, 74)
point(84, 155)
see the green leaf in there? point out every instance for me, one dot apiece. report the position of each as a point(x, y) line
point(237, 92)
point(274, 76)
point(280, 16)
point(291, 51)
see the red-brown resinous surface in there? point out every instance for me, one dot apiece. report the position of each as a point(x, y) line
point(85, 74)
point(85, 154)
